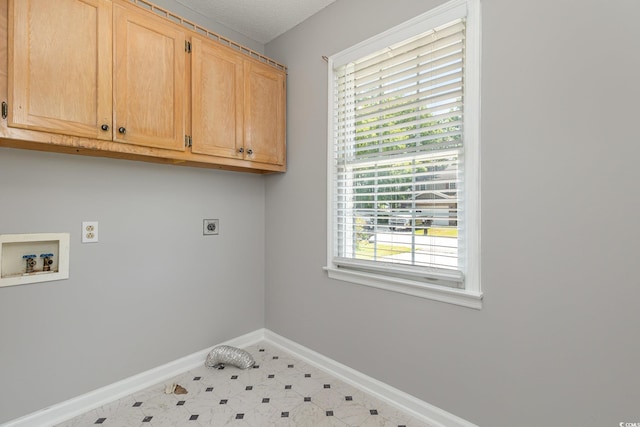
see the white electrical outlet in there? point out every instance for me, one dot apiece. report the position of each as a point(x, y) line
point(89, 231)
point(210, 226)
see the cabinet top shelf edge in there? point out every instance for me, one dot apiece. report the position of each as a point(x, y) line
point(176, 19)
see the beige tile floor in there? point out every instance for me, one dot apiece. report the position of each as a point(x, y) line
point(280, 391)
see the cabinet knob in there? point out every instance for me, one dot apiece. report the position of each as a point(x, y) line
point(104, 127)
point(241, 150)
point(249, 151)
point(122, 130)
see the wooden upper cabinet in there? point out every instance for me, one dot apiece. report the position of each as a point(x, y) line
point(71, 96)
point(149, 80)
point(217, 126)
point(264, 113)
point(238, 105)
point(111, 78)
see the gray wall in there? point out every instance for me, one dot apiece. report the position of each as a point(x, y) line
point(557, 340)
point(152, 290)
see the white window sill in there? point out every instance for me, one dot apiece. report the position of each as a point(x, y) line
point(460, 297)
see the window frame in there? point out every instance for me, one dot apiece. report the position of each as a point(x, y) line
point(471, 295)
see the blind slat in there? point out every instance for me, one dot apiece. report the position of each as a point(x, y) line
point(425, 103)
point(427, 42)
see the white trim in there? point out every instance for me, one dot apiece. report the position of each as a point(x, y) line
point(405, 402)
point(79, 405)
point(472, 150)
point(330, 172)
point(462, 297)
point(71, 408)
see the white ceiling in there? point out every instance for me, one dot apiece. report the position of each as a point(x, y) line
point(260, 20)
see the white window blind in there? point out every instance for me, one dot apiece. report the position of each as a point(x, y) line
point(398, 159)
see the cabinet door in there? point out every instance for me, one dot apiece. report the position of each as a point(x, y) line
point(264, 113)
point(60, 66)
point(216, 93)
point(149, 71)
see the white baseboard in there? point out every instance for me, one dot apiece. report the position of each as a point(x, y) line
point(79, 405)
point(401, 400)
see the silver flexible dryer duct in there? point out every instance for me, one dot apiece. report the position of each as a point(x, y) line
point(227, 355)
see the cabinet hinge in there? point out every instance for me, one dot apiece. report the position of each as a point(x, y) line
point(187, 46)
point(5, 110)
point(187, 141)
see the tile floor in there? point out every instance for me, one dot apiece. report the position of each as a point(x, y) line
point(279, 391)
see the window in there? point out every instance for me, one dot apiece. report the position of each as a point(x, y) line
point(403, 158)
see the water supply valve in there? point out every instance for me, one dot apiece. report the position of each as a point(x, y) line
point(47, 260)
point(31, 262)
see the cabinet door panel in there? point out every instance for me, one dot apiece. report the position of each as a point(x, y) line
point(264, 113)
point(60, 66)
point(216, 90)
point(149, 80)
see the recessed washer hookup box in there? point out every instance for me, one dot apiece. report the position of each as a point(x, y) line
point(33, 258)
